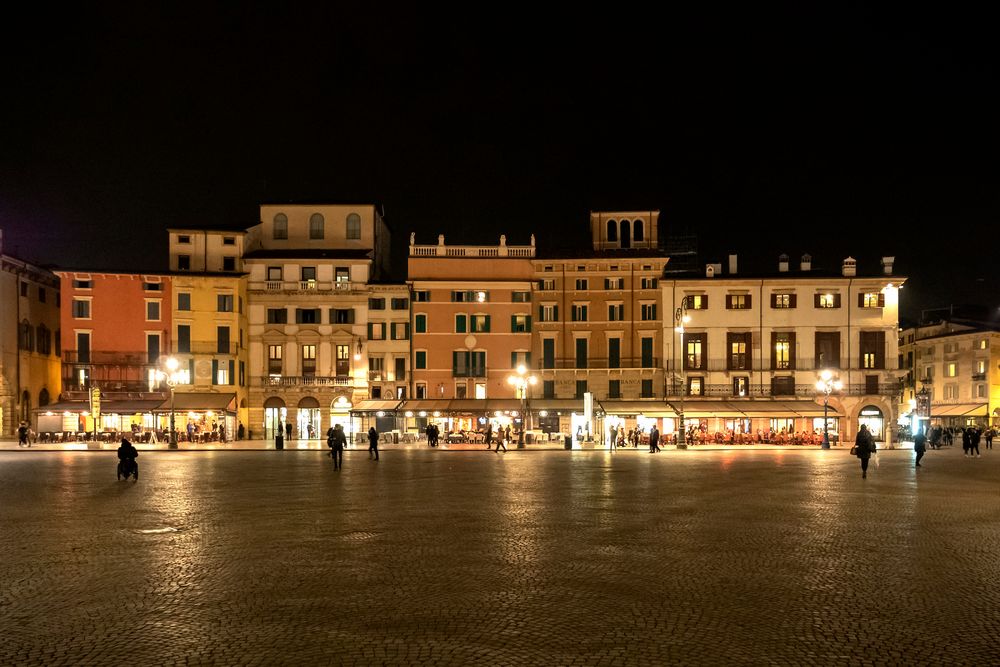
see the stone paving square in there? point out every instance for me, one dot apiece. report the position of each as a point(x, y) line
point(471, 557)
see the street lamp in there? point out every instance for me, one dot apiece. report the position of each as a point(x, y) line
point(826, 384)
point(171, 377)
point(680, 319)
point(521, 382)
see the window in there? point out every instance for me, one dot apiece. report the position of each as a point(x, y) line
point(26, 336)
point(548, 313)
point(981, 366)
point(520, 297)
point(827, 301)
point(183, 262)
point(581, 283)
point(81, 309)
point(221, 372)
point(614, 283)
point(741, 386)
point(376, 304)
point(399, 304)
point(614, 353)
point(280, 226)
point(400, 331)
point(739, 344)
point(376, 331)
point(461, 390)
point(307, 316)
point(41, 294)
point(871, 300)
point(468, 364)
point(520, 358)
point(400, 370)
point(228, 240)
point(461, 323)
point(316, 223)
point(83, 284)
point(548, 389)
point(342, 316)
point(614, 389)
point(547, 285)
point(308, 360)
point(225, 303)
point(421, 390)
point(827, 349)
point(228, 263)
point(581, 388)
point(420, 359)
point(624, 232)
point(184, 239)
point(581, 352)
point(152, 311)
point(872, 349)
point(183, 301)
point(647, 283)
point(696, 386)
point(646, 390)
point(420, 323)
point(308, 274)
point(616, 312)
point(422, 296)
point(950, 370)
point(694, 351)
point(520, 323)
point(781, 350)
point(647, 353)
point(737, 301)
point(783, 386)
point(375, 369)
point(184, 338)
point(981, 391)
point(274, 273)
point(222, 338)
point(480, 323)
point(697, 301)
point(951, 391)
point(648, 311)
point(579, 312)
point(548, 353)
point(612, 231)
point(24, 289)
point(354, 226)
point(637, 233)
point(782, 300)
point(277, 316)
point(983, 344)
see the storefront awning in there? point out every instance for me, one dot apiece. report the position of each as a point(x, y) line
point(427, 405)
point(68, 406)
point(708, 409)
point(375, 405)
point(200, 401)
point(467, 406)
point(763, 408)
point(555, 404)
point(503, 404)
point(649, 408)
point(129, 407)
point(959, 410)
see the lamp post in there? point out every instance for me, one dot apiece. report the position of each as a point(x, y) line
point(170, 376)
point(521, 382)
point(826, 384)
point(680, 319)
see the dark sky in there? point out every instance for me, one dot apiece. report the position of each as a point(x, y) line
point(832, 131)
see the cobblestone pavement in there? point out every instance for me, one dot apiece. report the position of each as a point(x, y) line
point(542, 558)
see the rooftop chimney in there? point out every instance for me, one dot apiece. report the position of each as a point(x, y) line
point(709, 270)
point(887, 265)
point(850, 267)
point(732, 265)
point(783, 263)
point(807, 262)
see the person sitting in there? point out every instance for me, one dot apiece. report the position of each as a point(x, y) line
point(126, 451)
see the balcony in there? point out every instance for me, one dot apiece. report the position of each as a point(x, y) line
point(306, 381)
point(800, 390)
point(304, 287)
point(603, 363)
point(208, 347)
point(978, 377)
point(108, 358)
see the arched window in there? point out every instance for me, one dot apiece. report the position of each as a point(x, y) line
point(612, 231)
point(43, 398)
point(354, 226)
point(316, 226)
point(43, 339)
point(281, 226)
point(26, 337)
point(626, 238)
point(637, 231)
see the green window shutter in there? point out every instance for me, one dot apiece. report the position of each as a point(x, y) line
point(513, 323)
point(527, 323)
point(421, 360)
point(541, 313)
point(421, 324)
point(460, 324)
point(513, 359)
point(527, 359)
point(487, 327)
point(232, 371)
point(215, 369)
point(392, 330)
point(406, 330)
point(555, 313)
point(371, 330)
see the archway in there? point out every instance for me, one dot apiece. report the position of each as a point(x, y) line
point(340, 413)
point(308, 419)
point(275, 416)
point(872, 417)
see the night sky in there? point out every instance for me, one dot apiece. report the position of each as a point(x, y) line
point(831, 131)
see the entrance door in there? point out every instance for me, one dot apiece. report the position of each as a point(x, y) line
point(274, 419)
point(343, 360)
point(872, 418)
point(308, 423)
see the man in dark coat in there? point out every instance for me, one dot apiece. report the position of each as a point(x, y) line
point(864, 445)
point(373, 443)
point(336, 440)
point(654, 440)
point(919, 446)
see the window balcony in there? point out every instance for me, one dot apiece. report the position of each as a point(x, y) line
point(306, 381)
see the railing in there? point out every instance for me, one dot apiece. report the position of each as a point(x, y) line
point(764, 391)
point(442, 250)
point(599, 363)
point(978, 376)
point(300, 286)
point(376, 376)
point(306, 380)
point(208, 347)
point(121, 358)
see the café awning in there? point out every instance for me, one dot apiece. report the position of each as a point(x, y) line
point(649, 408)
point(424, 404)
point(697, 409)
point(195, 401)
point(958, 410)
point(555, 404)
point(376, 405)
point(790, 408)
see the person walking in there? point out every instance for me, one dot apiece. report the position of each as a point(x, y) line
point(864, 446)
point(974, 437)
point(919, 447)
point(373, 443)
point(654, 440)
point(500, 441)
point(22, 436)
point(335, 440)
point(489, 435)
point(989, 437)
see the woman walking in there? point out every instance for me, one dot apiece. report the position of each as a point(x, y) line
point(864, 446)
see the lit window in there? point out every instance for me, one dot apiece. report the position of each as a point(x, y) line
point(870, 300)
point(950, 370)
point(697, 301)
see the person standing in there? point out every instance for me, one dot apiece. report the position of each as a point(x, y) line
point(654, 440)
point(22, 435)
point(506, 433)
point(335, 440)
point(288, 430)
point(240, 431)
point(974, 437)
point(864, 445)
point(989, 437)
point(489, 434)
point(373, 443)
point(613, 442)
point(919, 447)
